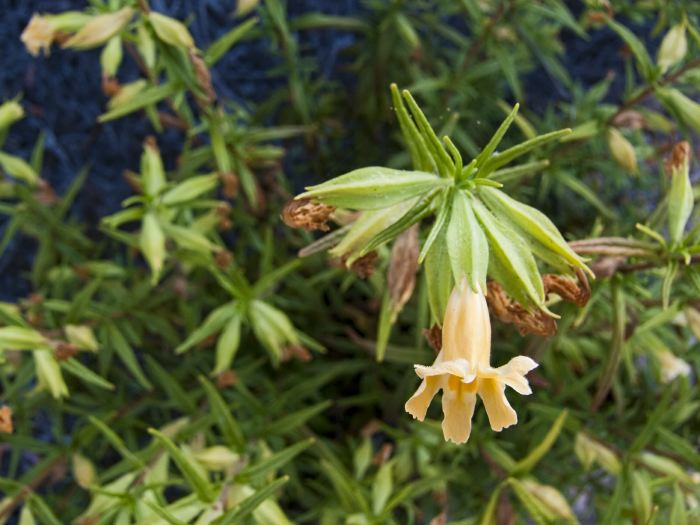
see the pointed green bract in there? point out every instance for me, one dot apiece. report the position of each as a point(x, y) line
point(532, 223)
point(467, 246)
point(513, 257)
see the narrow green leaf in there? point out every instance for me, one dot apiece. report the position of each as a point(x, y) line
point(224, 417)
point(116, 442)
point(273, 462)
point(147, 97)
point(200, 485)
point(526, 464)
point(76, 368)
point(248, 505)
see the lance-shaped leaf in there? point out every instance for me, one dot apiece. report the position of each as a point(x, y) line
point(227, 345)
point(512, 259)
point(418, 211)
point(20, 338)
point(370, 224)
point(272, 328)
point(513, 153)
point(496, 138)
point(190, 189)
point(467, 246)
point(187, 466)
point(530, 222)
point(420, 154)
point(152, 244)
point(214, 322)
point(373, 188)
point(100, 29)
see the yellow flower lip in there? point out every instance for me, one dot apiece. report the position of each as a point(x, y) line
point(462, 370)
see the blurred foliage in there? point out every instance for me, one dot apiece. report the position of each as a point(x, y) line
point(181, 364)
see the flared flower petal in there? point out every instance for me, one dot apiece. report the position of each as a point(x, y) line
point(458, 408)
point(457, 367)
point(501, 414)
point(418, 405)
point(512, 374)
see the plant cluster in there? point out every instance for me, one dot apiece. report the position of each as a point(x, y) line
point(204, 355)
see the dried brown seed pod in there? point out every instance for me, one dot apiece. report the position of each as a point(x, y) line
point(307, 214)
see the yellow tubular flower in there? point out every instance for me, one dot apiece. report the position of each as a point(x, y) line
point(462, 370)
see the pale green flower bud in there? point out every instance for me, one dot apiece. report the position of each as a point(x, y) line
point(673, 48)
point(10, 112)
point(622, 150)
point(100, 29)
point(82, 337)
point(49, 373)
point(171, 31)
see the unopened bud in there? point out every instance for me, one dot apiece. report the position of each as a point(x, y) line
point(126, 93)
point(49, 373)
point(671, 366)
point(10, 112)
point(680, 196)
point(551, 498)
point(673, 48)
point(246, 6)
point(622, 150)
point(83, 471)
point(152, 244)
point(82, 337)
point(664, 466)
point(100, 29)
point(111, 56)
point(692, 315)
point(307, 214)
point(170, 30)
point(216, 458)
point(683, 108)
point(589, 451)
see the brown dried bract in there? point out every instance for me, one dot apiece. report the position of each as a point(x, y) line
point(434, 337)
point(203, 77)
point(230, 183)
point(679, 156)
point(629, 119)
point(510, 311)
point(223, 259)
point(383, 454)
point(6, 420)
point(64, 351)
point(110, 86)
point(307, 214)
point(577, 293)
point(403, 266)
point(296, 352)
point(226, 379)
point(364, 266)
point(223, 214)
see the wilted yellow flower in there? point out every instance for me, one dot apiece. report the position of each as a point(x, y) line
point(463, 370)
point(671, 366)
point(38, 35)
